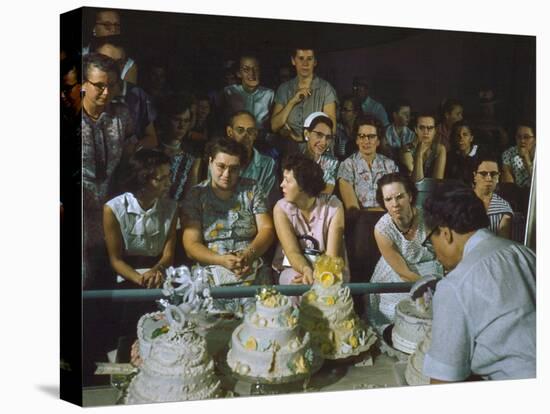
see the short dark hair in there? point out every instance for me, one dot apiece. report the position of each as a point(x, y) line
point(321, 119)
point(395, 178)
point(484, 156)
point(141, 167)
point(457, 208)
point(239, 113)
point(372, 120)
point(425, 115)
point(173, 104)
point(526, 123)
point(227, 146)
point(455, 129)
point(113, 40)
point(397, 105)
point(308, 173)
point(449, 104)
point(354, 100)
point(99, 61)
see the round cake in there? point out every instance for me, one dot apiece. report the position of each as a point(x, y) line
point(176, 365)
point(412, 320)
point(270, 345)
point(326, 311)
point(413, 372)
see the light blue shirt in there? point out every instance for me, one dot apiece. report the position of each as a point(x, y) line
point(258, 103)
point(369, 105)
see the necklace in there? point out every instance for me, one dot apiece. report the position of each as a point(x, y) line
point(405, 232)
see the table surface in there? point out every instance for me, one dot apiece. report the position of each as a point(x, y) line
point(378, 370)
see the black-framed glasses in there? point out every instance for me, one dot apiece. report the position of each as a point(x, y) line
point(427, 239)
point(243, 130)
point(370, 137)
point(320, 135)
point(100, 86)
point(485, 174)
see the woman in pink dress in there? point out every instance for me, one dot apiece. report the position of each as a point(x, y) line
point(304, 213)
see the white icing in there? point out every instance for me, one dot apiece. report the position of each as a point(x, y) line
point(411, 325)
point(413, 372)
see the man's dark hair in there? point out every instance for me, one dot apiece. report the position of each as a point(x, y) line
point(141, 168)
point(390, 178)
point(99, 61)
point(425, 115)
point(227, 146)
point(457, 208)
point(308, 173)
point(484, 156)
point(397, 105)
point(239, 113)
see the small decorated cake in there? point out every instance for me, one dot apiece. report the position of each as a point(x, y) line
point(326, 311)
point(413, 372)
point(413, 319)
point(270, 345)
point(176, 365)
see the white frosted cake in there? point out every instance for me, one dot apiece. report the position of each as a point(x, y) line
point(326, 311)
point(413, 372)
point(270, 345)
point(176, 365)
point(413, 319)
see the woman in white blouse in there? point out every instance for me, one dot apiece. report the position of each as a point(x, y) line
point(140, 225)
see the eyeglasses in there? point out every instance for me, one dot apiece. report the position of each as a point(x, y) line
point(426, 127)
point(485, 174)
point(525, 136)
point(320, 135)
point(100, 86)
point(233, 169)
point(108, 25)
point(248, 131)
point(370, 137)
point(427, 239)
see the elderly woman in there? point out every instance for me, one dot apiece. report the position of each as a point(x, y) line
point(426, 156)
point(225, 219)
point(318, 137)
point(140, 225)
point(358, 175)
point(174, 124)
point(485, 178)
point(463, 153)
point(305, 211)
point(517, 161)
point(399, 234)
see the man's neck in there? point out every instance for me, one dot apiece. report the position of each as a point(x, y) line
point(92, 110)
point(250, 90)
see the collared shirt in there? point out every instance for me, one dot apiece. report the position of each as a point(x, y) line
point(459, 166)
point(328, 164)
point(394, 140)
point(262, 169)
point(180, 167)
point(484, 313)
point(521, 174)
point(258, 103)
point(322, 93)
point(144, 231)
point(355, 170)
point(498, 208)
point(227, 225)
point(140, 105)
point(369, 105)
point(443, 135)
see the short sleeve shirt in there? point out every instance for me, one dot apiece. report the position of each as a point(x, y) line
point(512, 159)
point(328, 164)
point(355, 170)
point(227, 225)
point(322, 94)
point(258, 103)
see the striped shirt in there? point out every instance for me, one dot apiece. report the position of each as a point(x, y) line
point(498, 208)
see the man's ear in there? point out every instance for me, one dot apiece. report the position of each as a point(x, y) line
point(447, 234)
point(292, 61)
point(229, 131)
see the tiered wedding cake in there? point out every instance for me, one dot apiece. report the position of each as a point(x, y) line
point(176, 365)
point(270, 345)
point(326, 311)
point(413, 372)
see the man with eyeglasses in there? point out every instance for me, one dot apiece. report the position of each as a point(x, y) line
point(249, 95)
point(107, 136)
point(261, 168)
point(484, 312)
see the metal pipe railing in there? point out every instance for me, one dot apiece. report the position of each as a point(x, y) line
point(143, 295)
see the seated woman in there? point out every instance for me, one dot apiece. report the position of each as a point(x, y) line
point(174, 123)
point(485, 178)
point(318, 137)
point(463, 153)
point(305, 211)
point(424, 157)
point(517, 161)
point(140, 225)
point(399, 234)
point(225, 219)
point(358, 175)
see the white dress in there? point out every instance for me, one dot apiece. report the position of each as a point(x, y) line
point(421, 260)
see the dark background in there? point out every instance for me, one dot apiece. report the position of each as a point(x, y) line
point(424, 66)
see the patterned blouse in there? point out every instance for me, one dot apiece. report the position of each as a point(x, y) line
point(180, 166)
point(521, 174)
point(355, 170)
point(227, 225)
point(498, 208)
point(328, 164)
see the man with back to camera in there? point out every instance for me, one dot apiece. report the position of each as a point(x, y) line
point(484, 309)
